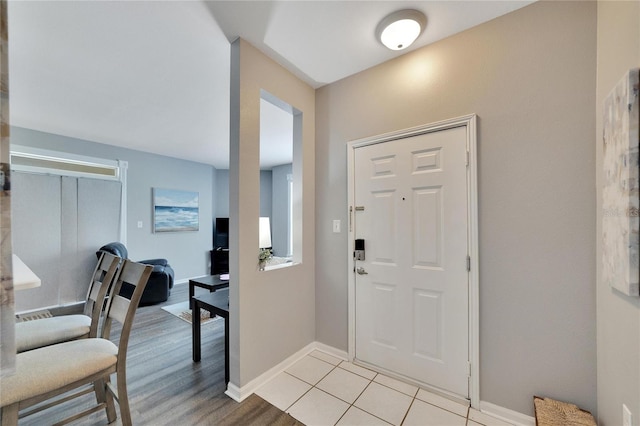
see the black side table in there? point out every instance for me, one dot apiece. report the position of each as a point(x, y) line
point(210, 282)
point(216, 303)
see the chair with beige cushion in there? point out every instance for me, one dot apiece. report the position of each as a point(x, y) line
point(50, 373)
point(48, 331)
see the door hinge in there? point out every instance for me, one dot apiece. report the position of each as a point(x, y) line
point(468, 263)
point(467, 161)
point(468, 369)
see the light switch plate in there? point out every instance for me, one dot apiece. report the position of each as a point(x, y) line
point(336, 226)
point(139, 224)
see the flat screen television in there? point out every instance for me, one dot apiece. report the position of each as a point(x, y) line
point(221, 233)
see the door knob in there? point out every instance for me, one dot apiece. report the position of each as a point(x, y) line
point(361, 271)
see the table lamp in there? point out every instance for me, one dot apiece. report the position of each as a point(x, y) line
point(23, 277)
point(265, 233)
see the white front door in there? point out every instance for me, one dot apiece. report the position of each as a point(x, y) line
point(412, 289)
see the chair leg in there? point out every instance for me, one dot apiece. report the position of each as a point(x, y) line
point(99, 388)
point(123, 398)
point(108, 398)
point(9, 415)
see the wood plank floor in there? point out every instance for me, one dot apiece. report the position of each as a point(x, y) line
point(165, 386)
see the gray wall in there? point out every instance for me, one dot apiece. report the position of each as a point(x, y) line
point(221, 194)
point(618, 315)
point(214, 203)
point(530, 77)
point(187, 252)
point(266, 183)
point(280, 209)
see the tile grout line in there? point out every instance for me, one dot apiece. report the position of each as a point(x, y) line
point(408, 409)
point(375, 374)
point(312, 385)
point(413, 399)
point(359, 395)
point(300, 397)
point(372, 380)
point(336, 397)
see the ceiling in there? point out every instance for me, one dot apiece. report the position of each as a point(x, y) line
point(154, 75)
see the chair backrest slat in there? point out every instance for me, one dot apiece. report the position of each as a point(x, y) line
point(94, 289)
point(119, 308)
point(122, 309)
point(102, 279)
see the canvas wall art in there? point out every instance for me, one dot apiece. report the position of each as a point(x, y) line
point(620, 193)
point(175, 210)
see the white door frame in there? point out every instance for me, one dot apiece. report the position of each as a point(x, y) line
point(468, 121)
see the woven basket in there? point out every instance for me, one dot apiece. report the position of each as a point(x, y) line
point(550, 412)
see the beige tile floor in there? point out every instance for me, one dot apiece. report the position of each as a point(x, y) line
point(324, 390)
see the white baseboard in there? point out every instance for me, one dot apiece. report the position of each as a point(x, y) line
point(509, 416)
point(343, 355)
point(241, 393)
point(183, 281)
point(234, 392)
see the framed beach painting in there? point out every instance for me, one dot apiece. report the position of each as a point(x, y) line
point(175, 210)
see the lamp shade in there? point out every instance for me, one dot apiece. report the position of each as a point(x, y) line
point(23, 277)
point(400, 29)
point(265, 232)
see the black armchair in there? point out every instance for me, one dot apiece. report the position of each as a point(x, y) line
point(160, 282)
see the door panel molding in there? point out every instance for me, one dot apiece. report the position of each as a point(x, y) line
point(424, 164)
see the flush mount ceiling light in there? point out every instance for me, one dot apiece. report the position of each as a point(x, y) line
point(398, 30)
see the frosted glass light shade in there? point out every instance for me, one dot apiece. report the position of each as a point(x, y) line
point(400, 29)
point(265, 232)
point(23, 277)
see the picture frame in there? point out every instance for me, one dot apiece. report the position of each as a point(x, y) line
point(621, 187)
point(175, 210)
